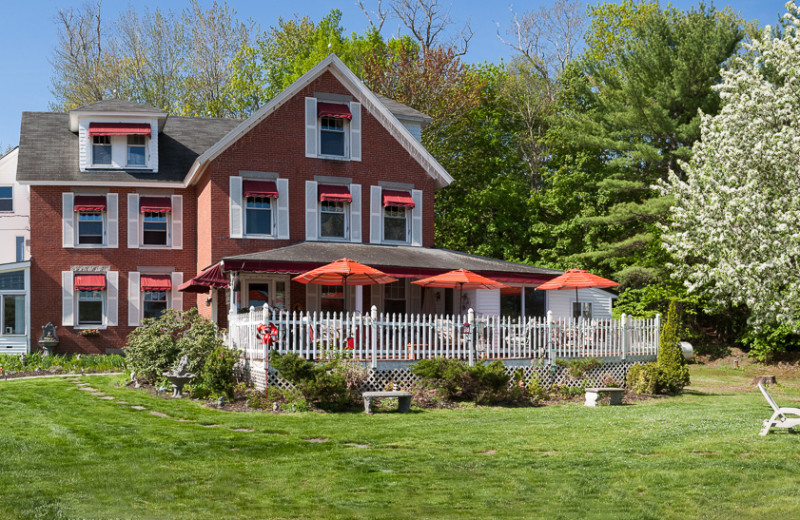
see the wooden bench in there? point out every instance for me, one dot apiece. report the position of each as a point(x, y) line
point(593, 394)
point(403, 400)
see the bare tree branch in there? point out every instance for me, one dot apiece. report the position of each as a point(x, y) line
point(428, 22)
point(380, 15)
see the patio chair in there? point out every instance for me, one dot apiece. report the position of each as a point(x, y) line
point(780, 419)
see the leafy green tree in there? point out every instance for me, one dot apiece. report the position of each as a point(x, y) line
point(628, 120)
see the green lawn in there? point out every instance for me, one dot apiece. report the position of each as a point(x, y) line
point(65, 453)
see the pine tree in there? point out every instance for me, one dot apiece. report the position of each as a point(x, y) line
point(674, 374)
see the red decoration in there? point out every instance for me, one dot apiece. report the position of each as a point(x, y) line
point(267, 333)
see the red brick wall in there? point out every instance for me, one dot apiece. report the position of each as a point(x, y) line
point(49, 259)
point(277, 145)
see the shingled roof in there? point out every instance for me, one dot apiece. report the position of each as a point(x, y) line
point(117, 105)
point(395, 260)
point(49, 151)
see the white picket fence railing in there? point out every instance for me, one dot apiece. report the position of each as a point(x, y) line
point(401, 337)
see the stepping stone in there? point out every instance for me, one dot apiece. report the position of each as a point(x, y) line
point(138, 407)
point(107, 398)
point(210, 425)
point(316, 440)
point(355, 445)
point(122, 402)
point(181, 419)
point(98, 394)
point(88, 389)
point(489, 452)
point(158, 414)
point(82, 384)
point(243, 429)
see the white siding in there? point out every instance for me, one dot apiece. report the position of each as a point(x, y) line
point(17, 223)
point(560, 302)
point(485, 302)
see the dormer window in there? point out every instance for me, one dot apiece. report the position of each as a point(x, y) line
point(119, 145)
point(136, 150)
point(101, 149)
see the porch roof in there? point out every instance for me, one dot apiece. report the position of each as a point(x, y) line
point(398, 261)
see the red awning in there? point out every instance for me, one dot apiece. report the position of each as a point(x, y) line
point(213, 277)
point(397, 198)
point(119, 129)
point(262, 189)
point(90, 203)
point(156, 282)
point(155, 205)
point(334, 193)
point(90, 282)
point(334, 110)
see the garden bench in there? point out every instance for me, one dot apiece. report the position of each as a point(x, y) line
point(593, 394)
point(403, 400)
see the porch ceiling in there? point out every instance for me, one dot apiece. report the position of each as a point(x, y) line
point(399, 261)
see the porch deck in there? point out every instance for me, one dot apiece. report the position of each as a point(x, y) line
point(404, 339)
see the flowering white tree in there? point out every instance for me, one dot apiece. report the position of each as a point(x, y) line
point(735, 229)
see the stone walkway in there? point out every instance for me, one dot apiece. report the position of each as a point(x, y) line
point(100, 395)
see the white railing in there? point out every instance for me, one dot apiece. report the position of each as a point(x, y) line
point(402, 337)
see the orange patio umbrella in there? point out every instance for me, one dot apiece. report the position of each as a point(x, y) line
point(345, 272)
point(577, 279)
point(460, 279)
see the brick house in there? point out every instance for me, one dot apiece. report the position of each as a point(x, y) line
point(134, 211)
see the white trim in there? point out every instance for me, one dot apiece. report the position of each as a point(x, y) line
point(283, 209)
point(312, 213)
point(375, 214)
point(416, 218)
point(355, 132)
point(235, 207)
point(114, 184)
point(177, 296)
point(176, 240)
point(67, 299)
point(111, 318)
point(68, 219)
point(134, 299)
point(112, 220)
point(355, 213)
point(311, 126)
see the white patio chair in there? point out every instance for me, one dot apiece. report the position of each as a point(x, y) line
point(780, 419)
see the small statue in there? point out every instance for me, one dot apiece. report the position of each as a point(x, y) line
point(179, 377)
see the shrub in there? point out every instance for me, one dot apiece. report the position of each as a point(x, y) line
point(674, 372)
point(10, 363)
point(156, 346)
point(769, 340)
point(645, 379)
point(456, 381)
point(218, 375)
point(577, 368)
point(324, 385)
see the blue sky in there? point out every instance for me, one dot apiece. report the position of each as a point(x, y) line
point(29, 36)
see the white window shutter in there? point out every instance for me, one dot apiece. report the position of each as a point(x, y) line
point(133, 220)
point(67, 299)
point(311, 127)
point(112, 298)
point(177, 222)
point(312, 215)
point(283, 209)
point(177, 296)
point(68, 219)
point(236, 207)
point(375, 215)
point(355, 132)
point(416, 218)
point(134, 299)
point(355, 213)
point(312, 297)
point(112, 219)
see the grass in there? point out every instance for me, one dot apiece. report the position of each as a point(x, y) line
point(65, 453)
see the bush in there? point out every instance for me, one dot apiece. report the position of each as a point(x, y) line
point(159, 343)
point(324, 385)
point(69, 363)
point(769, 340)
point(577, 368)
point(674, 372)
point(218, 377)
point(645, 379)
point(456, 381)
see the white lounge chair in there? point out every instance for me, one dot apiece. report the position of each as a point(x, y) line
point(780, 419)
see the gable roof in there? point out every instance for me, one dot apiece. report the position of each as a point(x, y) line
point(49, 151)
point(366, 97)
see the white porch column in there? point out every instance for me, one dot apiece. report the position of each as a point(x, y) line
point(360, 298)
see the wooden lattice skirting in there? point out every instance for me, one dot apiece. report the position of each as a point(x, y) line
point(609, 373)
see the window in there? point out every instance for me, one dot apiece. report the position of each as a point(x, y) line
point(332, 219)
point(136, 150)
point(6, 198)
point(522, 301)
point(332, 136)
point(90, 307)
point(257, 294)
point(395, 297)
point(332, 298)
point(395, 224)
point(154, 229)
point(13, 314)
point(582, 310)
point(12, 281)
point(90, 227)
point(511, 302)
point(155, 303)
point(101, 149)
point(258, 216)
point(20, 249)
